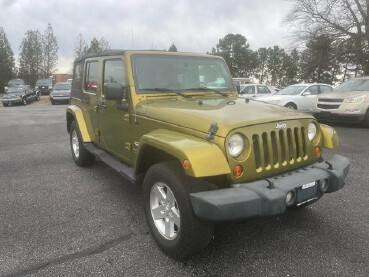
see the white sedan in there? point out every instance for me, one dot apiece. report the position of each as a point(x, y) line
point(298, 97)
point(255, 90)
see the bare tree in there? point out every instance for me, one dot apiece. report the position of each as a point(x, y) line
point(340, 19)
point(80, 47)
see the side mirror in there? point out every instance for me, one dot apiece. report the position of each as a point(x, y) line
point(115, 91)
point(306, 93)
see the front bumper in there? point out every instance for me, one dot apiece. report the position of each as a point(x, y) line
point(60, 98)
point(11, 101)
point(339, 117)
point(257, 199)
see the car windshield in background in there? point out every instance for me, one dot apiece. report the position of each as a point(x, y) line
point(291, 90)
point(62, 87)
point(179, 73)
point(16, 82)
point(15, 89)
point(354, 84)
point(43, 82)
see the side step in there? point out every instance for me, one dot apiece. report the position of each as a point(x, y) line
point(126, 171)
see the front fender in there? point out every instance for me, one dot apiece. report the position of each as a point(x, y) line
point(330, 138)
point(206, 158)
point(76, 113)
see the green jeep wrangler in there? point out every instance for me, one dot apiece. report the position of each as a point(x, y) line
point(173, 123)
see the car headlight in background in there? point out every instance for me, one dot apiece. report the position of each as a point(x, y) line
point(356, 99)
point(311, 131)
point(236, 144)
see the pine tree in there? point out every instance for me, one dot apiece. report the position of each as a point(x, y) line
point(50, 52)
point(172, 48)
point(6, 60)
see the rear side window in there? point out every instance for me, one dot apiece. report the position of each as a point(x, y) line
point(263, 90)
point(248, 90)
point(92, 71)
point(77, 76)
point(325, 89)
point(114, 72)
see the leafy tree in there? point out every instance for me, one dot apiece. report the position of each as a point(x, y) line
point(172, 48)
point(50, 51)
point(6, 59)
point(342, 19)
point(98, 46)
point(316, 60)
point(236, 51)
point(30, 57)
point(275, 64)
point(290, 67)
point(262, 63)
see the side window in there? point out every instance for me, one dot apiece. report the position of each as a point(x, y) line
point(263, 90)
point(325, 89)
point(248, 90)
point(92, 71)
point(114, 72)
point(314, 90)
point(77, 76)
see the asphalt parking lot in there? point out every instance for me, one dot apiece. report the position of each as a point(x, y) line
point(57, 219)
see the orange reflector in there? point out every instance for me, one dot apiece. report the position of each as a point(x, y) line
point(317, 151)
point(186, 164)
point(237, 170)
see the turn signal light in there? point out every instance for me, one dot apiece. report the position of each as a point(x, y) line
point(237, 170)
point(186, 164)
point(317, 151)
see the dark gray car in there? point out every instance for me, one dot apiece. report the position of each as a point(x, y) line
point(60, 93)
point(20, 95)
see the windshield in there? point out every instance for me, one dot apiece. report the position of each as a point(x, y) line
point(291, 90)
point(354, 84)
point(16, 82)
point(15, 89)
point(43, 82)
point(179, 73)
point(62, 87)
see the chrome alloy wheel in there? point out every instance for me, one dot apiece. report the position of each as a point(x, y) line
point(164, 211)
point(75, 144)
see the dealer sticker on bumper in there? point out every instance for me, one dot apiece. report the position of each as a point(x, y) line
point(309, 185)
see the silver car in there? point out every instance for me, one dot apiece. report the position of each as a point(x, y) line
point(60, 93)
point(255, 90)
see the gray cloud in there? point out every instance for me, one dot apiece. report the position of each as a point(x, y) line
point(192, 25)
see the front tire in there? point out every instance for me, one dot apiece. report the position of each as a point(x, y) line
point(5, 104)
point(168, 210)
point(80, 155)
point(291, 106)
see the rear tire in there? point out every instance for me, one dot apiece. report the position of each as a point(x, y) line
point(291, 106)
point(79, 153)
point(5, 104)
point(366, 120)
point(169, 213)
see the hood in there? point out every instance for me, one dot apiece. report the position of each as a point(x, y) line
point(61, 92)
point(228, 113)
point(342, 94)
point(12, 94)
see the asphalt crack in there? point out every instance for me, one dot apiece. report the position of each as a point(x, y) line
point(70, 257)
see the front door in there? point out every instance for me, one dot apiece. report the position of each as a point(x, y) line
point(306, 100)
point(114, 122)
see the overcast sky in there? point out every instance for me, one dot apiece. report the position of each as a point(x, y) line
point(192, 25)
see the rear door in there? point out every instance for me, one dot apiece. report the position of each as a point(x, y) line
point(91, 90)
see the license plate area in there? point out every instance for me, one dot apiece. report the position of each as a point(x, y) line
point(306, 193)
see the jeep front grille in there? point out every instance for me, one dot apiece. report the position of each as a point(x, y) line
point(279, 148)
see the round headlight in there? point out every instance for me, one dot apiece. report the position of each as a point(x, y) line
point(311, 131)
point(236, 144)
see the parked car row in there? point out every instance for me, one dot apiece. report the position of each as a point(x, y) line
point(17, 92)
point(349, 102)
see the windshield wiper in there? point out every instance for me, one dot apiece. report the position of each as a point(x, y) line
point(168, 90)
point(208, 89)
